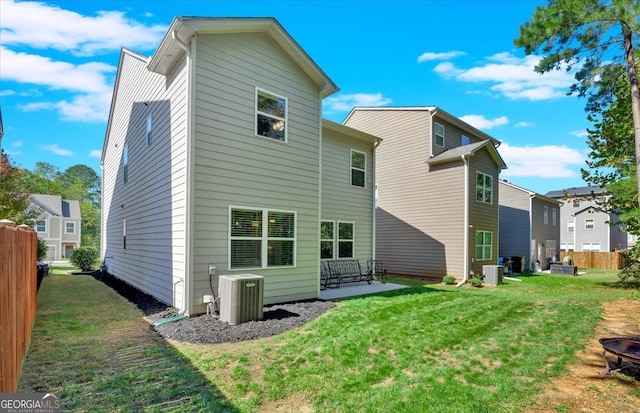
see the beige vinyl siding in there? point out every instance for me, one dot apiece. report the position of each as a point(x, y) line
point(340, 200)
point(233, 167)
point(154, 198)
point(416, 206)
point(515, 227)
point(482, 216)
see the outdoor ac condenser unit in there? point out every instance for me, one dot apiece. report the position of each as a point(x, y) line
point(492, 274)
point(240, 297)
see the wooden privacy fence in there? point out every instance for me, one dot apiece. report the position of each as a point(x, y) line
point(18, 255)
point(599, 260)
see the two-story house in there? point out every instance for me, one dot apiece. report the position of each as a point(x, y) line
point(59, 225)
point(529, 227)
point(584, 224)
point(437, 191)
point(216, 156)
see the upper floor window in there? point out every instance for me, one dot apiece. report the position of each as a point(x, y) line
point(576, 204)
point(546, 215)
point(465, 140)
point(41, 226)
point(69, 227)
point(439, 134)
point(271, 115)
point(571, 226)
point(125, 163)
point(589, 224)
point(358, 171)
point(484, 242)
point(554, 217)
point(149, 128)
point(260, 238)
point(484, 188)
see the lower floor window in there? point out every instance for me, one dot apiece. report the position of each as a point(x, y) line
point(591, 246)
point(343, 239)
point(484, 241)
point(261, 238)
point(566, 246)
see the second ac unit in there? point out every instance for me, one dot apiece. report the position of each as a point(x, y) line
point(492, 274)
point(241, 297)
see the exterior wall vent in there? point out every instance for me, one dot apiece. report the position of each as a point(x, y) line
point(241, 297)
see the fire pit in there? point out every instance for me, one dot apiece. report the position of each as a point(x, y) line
point(627, 349)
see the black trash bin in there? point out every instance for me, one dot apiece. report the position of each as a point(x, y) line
point(516, 264)
point(43, 271)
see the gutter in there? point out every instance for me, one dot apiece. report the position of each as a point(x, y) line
point(465, 267)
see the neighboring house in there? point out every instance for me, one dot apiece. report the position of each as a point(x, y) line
point(437, 191)
point(584, 225)
point(59, 225)
point(529, 227)
point(216, 161)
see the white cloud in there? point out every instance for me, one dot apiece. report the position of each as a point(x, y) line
point(42, 26)
point(512, 77)
point(17, 144)
point(525, 124)
point(480, 122)
point(344, 103)
point(96, 154)
point(57, 150)
point(580, 133)
point(89, 80)
point(547, 161)
point(439, 56)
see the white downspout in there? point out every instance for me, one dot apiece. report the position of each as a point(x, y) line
point(375, 201)
point(465, 267)
point(188, 268)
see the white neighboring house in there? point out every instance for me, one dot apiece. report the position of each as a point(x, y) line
point(584, 224)
point(216, 156)
point(59, 225)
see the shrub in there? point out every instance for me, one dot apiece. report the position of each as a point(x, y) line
point(475, 282)
point(449, 279)
point(42, 249)
point(84, 257)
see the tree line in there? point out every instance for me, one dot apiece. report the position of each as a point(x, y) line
point(78, 183)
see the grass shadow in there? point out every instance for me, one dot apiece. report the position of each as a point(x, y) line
point(98, 352)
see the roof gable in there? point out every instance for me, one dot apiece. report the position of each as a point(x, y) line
point(466, 151)
point(54, 205)
point(182, 30)
point(531, 193)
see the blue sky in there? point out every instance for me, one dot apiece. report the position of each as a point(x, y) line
point(58, 62)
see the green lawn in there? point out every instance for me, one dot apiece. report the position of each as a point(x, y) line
point(429, 348)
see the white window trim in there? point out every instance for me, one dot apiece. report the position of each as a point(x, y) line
point(484, 188)
point(264, 238)
point(436, 135)
point(125, 163)
point(554, 217)
point(593, 221)
point(571, 225)
point(333, 240)
point(46, 226)
point(149, 129)
point(66, 229)
point(485, 245)
point(353, 168)
point(285, 119)
point(352, 240)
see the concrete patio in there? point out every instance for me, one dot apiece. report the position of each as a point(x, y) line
point(356, 289)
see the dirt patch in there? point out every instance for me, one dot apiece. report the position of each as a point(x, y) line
point(582, 388)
